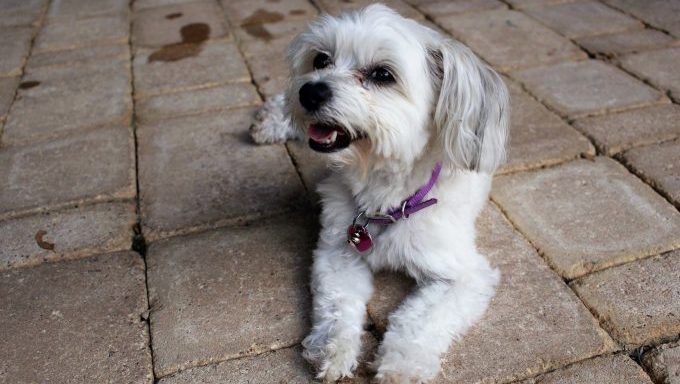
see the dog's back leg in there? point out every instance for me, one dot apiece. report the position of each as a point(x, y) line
point(271, 124)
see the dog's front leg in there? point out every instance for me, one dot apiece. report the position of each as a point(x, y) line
point(342, 284)
point(425, 324)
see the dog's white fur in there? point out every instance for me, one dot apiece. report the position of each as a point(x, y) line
point(446, 105)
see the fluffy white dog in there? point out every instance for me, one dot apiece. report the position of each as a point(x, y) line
point(414, 125)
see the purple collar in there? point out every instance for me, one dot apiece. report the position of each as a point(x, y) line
point(411, 204)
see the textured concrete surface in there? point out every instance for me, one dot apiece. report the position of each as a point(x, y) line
point(70, 233)
point(125, 128)
point(587, 215)
point(182, 177)
point(659, 166)
point(509, 39)
point(223, 294)
point(632, 303)
point(590, 87)
point(76, 321)
point(663, 363)
point(620, 131)
point(600, 370)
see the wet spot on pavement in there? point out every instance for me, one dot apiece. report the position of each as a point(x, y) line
point(193, 37)
point(28, 84)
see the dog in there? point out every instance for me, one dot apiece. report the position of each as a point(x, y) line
point(414, 125)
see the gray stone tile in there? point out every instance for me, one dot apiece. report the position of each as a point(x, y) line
point(587, 215)
point(72, 9)
point(198, 101)
point(155, 27)
point(616, 44)
point(253, 12)
point(270, 87)
point(312, 166)
point(229, 293)
point(663, 363)
point(617, 132)
point(583, 18)
point(57, 101)
point(600, 370)
point(201, 171)
point(538, 137)
point(576, 89)
point(534, 323)
point(21, 12)
point(509, 39)
point(638, 303)
point(270, 31)
point(524, 4)
point(75, 322)
point(94, 166)
point(335, 7)
point(210, 64)
point(14, 44)
point(444, 7)
point(139, 5)
point(659, 13)
point(282, 366)
point(66, 234)
point(659, 67)
point(8, 86)
point(87, 56)
point(267, 59)
point(71, 34)
point(659, 165)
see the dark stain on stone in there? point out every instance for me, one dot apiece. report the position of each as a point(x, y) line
point(28, 84)
point(297, 12)
point(259, 31)
point(262, 16)
point(43, 243)
point(174, 15)
point(273, 1)
point(193, 37)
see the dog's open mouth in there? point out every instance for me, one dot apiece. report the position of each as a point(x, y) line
point(328, 137)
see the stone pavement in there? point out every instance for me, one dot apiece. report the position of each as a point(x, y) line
point(144, 238)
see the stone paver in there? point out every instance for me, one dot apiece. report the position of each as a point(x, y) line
point(282, 366)
point(201, 170)
point(8, 86)
point(221, 294)
point(270, 31)
point(335, 7)
point(14, 44)
point(539, 137)
point(576, 89)
point(76, 321)
point(525, 4)
point(662, 14)
point(21, 12)
point(663, 363)
point(616, 44)
point(583, 18)
point(617, 132)
point(660, 68)
point(80, 9)
point(267, 64)
point(160, 26)
point(600, 370)
point(439, 7)
point(86, 56)
point(193, 102)
point(70, 34)
point(66, 234)
point(659, 165)
point(638, 303)
point(189, 67)
point(245, 13)
point(55, 101)
point(311, 165)
point(587, 215)
point(97, 165)
point(529, 322)
point(509, 39)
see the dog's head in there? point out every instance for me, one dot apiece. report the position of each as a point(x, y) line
point(372, 84)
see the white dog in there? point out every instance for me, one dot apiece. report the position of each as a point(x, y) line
point(414, 125)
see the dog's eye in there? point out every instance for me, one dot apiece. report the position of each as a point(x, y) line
point(382, 75)
point(321, 61)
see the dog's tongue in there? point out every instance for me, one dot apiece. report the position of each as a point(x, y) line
point(320, 133)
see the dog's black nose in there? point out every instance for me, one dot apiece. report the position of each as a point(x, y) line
point(314, 95)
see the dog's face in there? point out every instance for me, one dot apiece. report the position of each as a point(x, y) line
point(375, 82)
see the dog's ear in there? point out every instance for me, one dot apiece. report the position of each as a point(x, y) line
point(472, 109)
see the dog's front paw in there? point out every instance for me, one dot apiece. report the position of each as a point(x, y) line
point(406, 364)
point(271, 125)
point(334, 358)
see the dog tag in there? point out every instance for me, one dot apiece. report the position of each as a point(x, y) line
point(359, 238)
